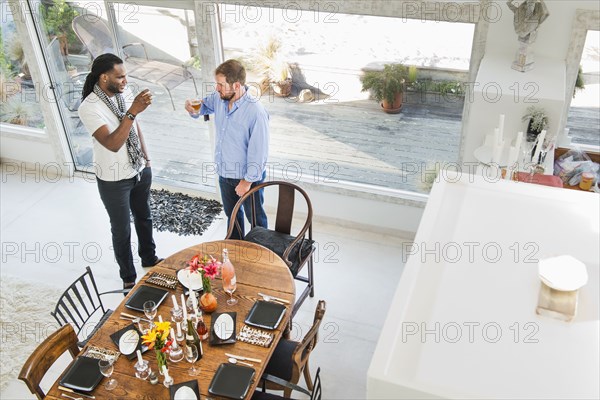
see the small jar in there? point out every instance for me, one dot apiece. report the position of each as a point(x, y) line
point(587, 179)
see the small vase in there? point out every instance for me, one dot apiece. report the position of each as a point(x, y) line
point(161, 359)
point(208, 302)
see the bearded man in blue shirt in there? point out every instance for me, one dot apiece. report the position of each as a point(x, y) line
point(242, 141)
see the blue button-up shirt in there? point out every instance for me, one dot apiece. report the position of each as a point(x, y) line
point(242, 139)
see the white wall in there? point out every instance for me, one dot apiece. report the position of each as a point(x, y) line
point(543, 86)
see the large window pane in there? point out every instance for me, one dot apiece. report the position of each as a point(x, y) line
point(68, 65)
point(327, 54)
point(19, 98)
point(168, 65)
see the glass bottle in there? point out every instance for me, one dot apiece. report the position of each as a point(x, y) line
point(201, 326)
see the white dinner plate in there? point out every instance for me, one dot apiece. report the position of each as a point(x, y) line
point(564, 273)
point(185, 393)
point(128, 342)
point(187, 278)
point(224, 326)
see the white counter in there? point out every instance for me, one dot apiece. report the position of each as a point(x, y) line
point(462, 323)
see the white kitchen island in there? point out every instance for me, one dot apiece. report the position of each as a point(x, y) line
point(463, 322)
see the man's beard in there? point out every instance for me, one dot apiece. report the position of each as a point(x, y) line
point(113, 88)
point(229, 97)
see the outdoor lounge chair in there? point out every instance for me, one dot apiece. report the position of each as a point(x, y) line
point(96, 36)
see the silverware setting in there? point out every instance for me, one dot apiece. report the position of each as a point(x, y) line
point(165, 280)
point(71, 397)
point(267, 297)
point(66, 389)
point(133, 318)
point(242, 358)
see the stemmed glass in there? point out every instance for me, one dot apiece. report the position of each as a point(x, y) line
point(150, 310)
point(191, 356)
point(229, 281)
point(106, 369)
point(526, 154)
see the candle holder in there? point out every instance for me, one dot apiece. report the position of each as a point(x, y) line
point(142, 370)
point(177, 317)
point(176, 352)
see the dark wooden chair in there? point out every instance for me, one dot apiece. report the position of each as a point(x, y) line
point(296, 250)
point(315, 394)
point(45, 355)
point(290, 358)
point(79, 303)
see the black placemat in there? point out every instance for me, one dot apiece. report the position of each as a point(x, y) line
point(213, 338)
point(143, 294)
point(84, 374)
point(191, 384)
point(265, 314)
point(231, 381)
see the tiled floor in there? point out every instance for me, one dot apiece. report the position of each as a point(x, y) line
point(60, 226)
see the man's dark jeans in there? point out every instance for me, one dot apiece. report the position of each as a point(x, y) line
point(230, 198)
point(119, 198)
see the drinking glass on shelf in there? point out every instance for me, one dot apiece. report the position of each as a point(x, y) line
point(150, 310)
point(526, 154)
point(106, 369)
point(191, 356)
point(228, 278)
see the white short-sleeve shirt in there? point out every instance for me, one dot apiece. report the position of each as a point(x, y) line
point(108, 165)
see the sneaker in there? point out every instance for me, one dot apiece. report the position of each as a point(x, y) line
point(128, 285)
point(156, 262)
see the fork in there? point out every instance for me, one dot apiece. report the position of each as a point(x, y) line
point(266, 297)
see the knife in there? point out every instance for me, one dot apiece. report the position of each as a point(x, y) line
point(66, 389)
point(242, 358)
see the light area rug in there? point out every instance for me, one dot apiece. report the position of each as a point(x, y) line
point(25, 322)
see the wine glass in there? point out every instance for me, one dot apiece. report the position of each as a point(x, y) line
point(229, 281)
point(150, 310)
point(191, 356)
point(106, 369)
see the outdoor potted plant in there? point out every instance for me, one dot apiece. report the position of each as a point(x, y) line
point(579, 82)
point(58, 19)
point(387, 86)
point(537, 121)
point(276, 73)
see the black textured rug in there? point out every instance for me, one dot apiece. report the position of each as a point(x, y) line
point(182, 214)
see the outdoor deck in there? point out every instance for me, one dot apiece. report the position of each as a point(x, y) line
point(325, 142)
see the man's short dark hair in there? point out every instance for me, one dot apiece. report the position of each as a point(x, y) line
point(233, 71)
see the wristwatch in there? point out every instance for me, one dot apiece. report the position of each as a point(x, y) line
point(130, 115)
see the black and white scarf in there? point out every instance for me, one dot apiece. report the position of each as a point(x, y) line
point(134, 149)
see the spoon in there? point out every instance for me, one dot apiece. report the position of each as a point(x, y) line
point(234, 361)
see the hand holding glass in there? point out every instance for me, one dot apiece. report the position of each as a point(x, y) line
point(196, 104)
point(106, 369)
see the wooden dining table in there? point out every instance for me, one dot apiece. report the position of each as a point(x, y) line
point(258, 270)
